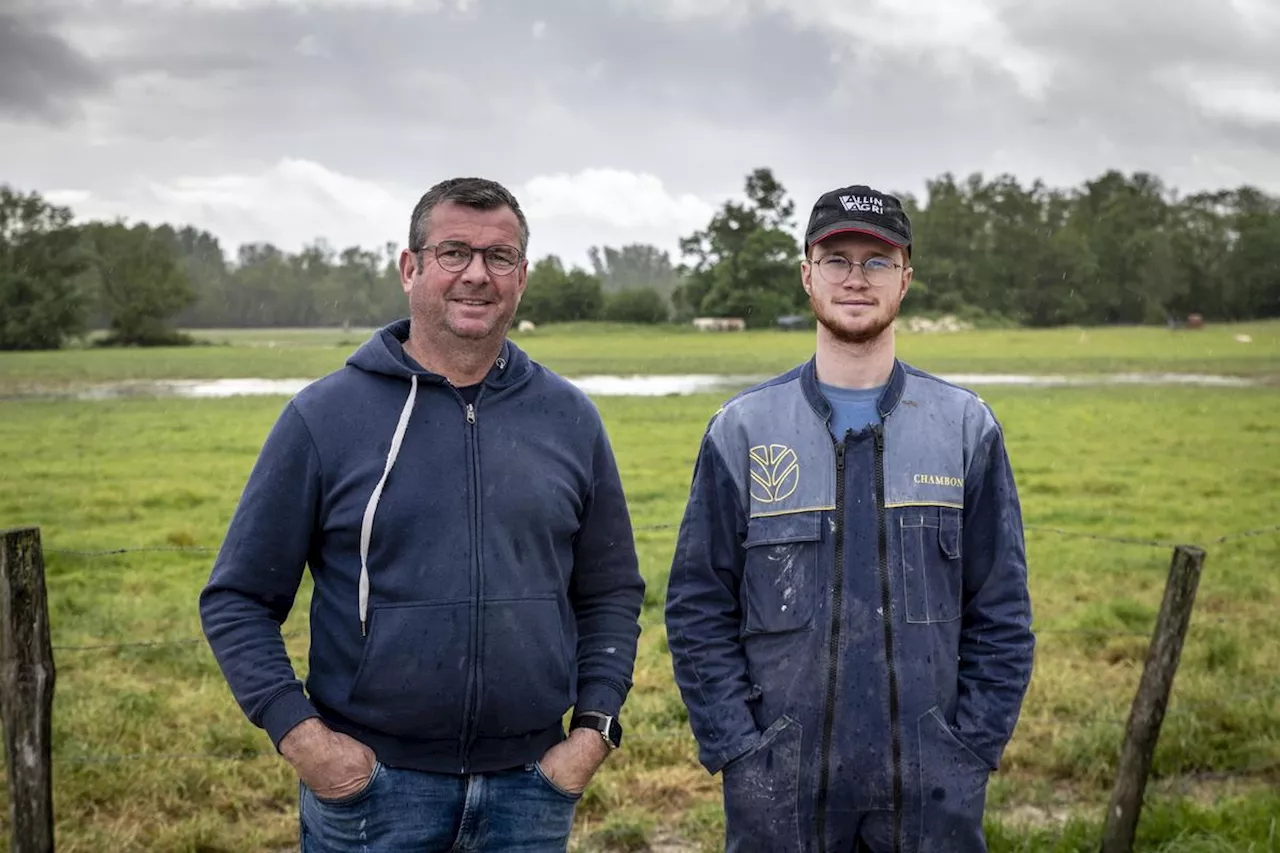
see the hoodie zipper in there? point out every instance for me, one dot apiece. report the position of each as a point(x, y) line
point(837, 599)
point(886, 615)
point(473, 677)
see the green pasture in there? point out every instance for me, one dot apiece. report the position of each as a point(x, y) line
point(596, 348)
point(152, 754)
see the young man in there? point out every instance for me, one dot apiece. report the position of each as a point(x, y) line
point(475, 573)
point(848, 613)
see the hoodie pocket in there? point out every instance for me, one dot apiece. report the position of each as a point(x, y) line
point(931, 566)
point(412, 679)
point(525, 668)
point(778, 576)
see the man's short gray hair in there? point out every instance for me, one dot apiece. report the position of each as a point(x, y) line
point(480, 193)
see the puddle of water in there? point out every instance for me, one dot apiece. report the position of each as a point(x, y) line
point(190, 388)
point(610, 386)
point(661, 386)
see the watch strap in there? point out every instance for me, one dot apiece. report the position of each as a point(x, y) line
point(608, 727)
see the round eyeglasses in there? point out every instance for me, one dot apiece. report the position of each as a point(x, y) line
point(455, 256)
point(878, 271)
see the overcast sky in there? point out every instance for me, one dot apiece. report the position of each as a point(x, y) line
point(613, 121)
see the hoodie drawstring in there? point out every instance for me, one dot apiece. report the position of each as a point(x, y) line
point(366, 527)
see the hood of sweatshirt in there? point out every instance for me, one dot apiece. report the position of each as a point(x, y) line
point(381, 354)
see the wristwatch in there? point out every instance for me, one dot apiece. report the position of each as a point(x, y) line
point(608, 727)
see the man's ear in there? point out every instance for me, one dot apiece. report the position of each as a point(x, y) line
point(806, 275)
point(408, 268)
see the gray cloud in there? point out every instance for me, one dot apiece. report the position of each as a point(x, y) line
point(825, 92)
point(41, 75)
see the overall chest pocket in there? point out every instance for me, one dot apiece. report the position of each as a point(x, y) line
point(779, 577)
point(932, 571)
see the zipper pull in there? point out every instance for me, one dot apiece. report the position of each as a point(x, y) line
point(471, 413)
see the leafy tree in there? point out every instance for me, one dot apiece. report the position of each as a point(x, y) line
point(201, 257)
point(140, 282)
point(262, 276)
point(41, 261)
point(634, 265)
point(1117, 249)
point(636, 305)
point(745, 262)
point(1255, 265)
point(553, 295)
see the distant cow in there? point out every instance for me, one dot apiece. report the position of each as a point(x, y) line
point(525, 326)
point(719, 324)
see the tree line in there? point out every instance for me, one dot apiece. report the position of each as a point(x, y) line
point(1117, 249)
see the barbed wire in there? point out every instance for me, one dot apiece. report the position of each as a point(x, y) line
point(1264, 767)
point(127, 644)
point(1087, 632)
point(1103, 537)
point(132, 550)
point(1199, 622)
point(207, 549)
point(648, 737)
point(646, 528)
point(176, 641)
point(1177, 709)
point(1245, 534)
point(160, 756)
point(194, 641)
point(289, 635)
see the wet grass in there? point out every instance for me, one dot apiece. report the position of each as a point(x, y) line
point(595, 348)
point(151, 753)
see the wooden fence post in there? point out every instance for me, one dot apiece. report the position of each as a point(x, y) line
point(26, 689)
point(1147, 713)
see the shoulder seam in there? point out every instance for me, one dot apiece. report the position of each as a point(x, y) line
point(774, 382)
point(925, 375)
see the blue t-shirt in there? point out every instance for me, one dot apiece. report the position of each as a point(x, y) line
point(851, 408)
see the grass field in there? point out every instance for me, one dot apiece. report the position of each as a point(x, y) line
point(599, 348)
point(152, 754)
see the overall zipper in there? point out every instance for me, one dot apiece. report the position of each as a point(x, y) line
point(837, 599)
point(887, 617)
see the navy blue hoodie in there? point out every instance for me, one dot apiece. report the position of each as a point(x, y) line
point(474, 567)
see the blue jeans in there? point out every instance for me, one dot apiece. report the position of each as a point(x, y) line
point(407, 810)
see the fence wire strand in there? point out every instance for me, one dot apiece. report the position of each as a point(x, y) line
point(1245, 534)
point(68, 552)
point(1175, 709)
point(649, 528)
point(289, 635)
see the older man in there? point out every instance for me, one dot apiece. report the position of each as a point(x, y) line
point(475, 574)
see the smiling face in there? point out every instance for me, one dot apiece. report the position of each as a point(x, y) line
point(473, 303)
point(855, 310)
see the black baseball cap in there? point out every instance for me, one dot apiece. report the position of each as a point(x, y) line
point(860, 209)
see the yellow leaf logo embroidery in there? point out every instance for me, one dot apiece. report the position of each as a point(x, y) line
point(775, 473)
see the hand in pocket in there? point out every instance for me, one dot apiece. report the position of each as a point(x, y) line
point(331, 764)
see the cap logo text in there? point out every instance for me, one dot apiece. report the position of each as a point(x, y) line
point(863, 203)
